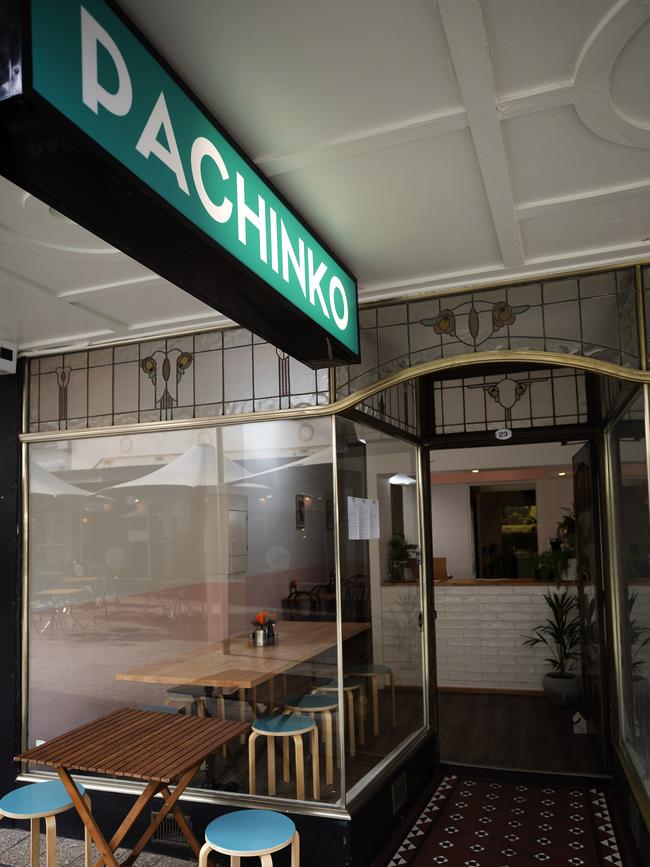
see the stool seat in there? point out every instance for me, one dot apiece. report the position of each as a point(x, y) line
point(283, 724)
point(247, 832)
point(312, 702)
point(348, 683)
point(37, 800)
point(371, 668)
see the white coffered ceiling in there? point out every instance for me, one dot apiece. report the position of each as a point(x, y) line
point(432, 145)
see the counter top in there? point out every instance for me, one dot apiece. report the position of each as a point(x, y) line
point(497, 582)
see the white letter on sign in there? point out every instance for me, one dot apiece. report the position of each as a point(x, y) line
point(148, 142)
point(92, 93)
point(203, 147)
point(337, 286)
point(314, 282)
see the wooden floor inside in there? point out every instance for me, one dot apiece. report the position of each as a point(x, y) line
point(513, 731)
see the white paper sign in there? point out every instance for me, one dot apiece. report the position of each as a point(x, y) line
point(363, 518)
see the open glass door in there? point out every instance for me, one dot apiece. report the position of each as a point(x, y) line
point(589, 577)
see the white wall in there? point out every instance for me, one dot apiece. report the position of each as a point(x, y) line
point(552, 496)
point(480, 632)
point(452, 528)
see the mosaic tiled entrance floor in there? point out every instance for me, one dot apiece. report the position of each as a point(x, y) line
point(478, 822)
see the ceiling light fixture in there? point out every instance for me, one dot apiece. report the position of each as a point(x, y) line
point(476, 471)
point(562, 473)
point(401, 479)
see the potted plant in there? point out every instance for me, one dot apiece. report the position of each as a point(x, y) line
point(561, 635)
point(398, 554)
point(558, 562)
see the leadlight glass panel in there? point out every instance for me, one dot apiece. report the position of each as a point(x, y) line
point(592, 315)
point(201, 375)
point(534, 398)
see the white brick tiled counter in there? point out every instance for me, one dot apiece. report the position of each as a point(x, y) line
point(480, 631)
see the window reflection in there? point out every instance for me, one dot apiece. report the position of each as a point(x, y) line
point(632, 525)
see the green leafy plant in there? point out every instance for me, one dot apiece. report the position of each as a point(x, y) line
point(560, 632)
point(639, 635)
point(398, 552)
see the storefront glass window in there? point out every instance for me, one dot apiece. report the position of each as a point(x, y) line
point(632, 565)
point(152, 556)
point(380, 581)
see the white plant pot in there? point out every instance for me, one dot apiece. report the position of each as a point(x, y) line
point(563, 691)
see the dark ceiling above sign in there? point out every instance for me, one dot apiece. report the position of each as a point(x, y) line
point(98, 126)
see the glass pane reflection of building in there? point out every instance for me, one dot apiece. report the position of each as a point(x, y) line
point(155, 558)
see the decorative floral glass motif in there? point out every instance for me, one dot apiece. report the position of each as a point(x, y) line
point(473, 322)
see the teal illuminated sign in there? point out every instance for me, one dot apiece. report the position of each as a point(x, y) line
point(89, 65)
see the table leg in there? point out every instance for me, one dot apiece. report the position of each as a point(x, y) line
point(350, 700)
point(392, 698)
point(141, 802)
point(87, 818)
point(242, 711)
point(168, 806)
point(182, 823)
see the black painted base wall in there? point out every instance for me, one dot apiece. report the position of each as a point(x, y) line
point(10, 576)
point(639, 836)
point(325, 842)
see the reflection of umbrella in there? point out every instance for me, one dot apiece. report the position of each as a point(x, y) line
point(197, 467)
point(43, 482)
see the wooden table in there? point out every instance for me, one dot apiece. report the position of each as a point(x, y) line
point(236, 663)
point(157, 748)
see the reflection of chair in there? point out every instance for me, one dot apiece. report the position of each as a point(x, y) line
point(301, 604)
point(285, 726)
point(43, 801)
point(371, 672)
point(250, 834)
point(355, 598)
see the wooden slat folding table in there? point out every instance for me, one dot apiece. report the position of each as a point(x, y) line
point(158, 748)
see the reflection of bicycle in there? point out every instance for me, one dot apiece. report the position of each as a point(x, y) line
point(173, 604)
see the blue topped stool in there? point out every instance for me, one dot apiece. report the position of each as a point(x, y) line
point(285, 726)
point(371, 672)
point(42, 801)
point(250, 833)
point(322, 705)
point(351, 686)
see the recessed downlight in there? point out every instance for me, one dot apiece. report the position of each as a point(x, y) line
point(476, 471)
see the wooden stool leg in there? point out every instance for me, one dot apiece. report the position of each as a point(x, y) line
point(203, 854)
point(295, 850)
point(242, 711)
point(266, 861)
point(392, 697)
point(271, 695)
point(362, 719)
point(222, 715)
point(300, 767)
point(270, 763)
point(50, 841)
point(235, 861)
point(327, 731)
point(375, 706)
point(35, 842)
point(350, 703)
point(88, 852)
point(200, 707)
point(251, 762)
point(286, 776)
point(315, 764)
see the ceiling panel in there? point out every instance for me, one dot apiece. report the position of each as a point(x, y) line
point(404, 211)
point(154, 302)
point(595, 227)
point(283, 74)
point(552, 153)
point(31, 317)
point(537, 42)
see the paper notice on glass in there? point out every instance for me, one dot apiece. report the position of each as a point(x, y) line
point(353, 517)
point(373, 519)
point(363, 518)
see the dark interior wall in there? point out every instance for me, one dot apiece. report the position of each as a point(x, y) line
point(10, 585)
